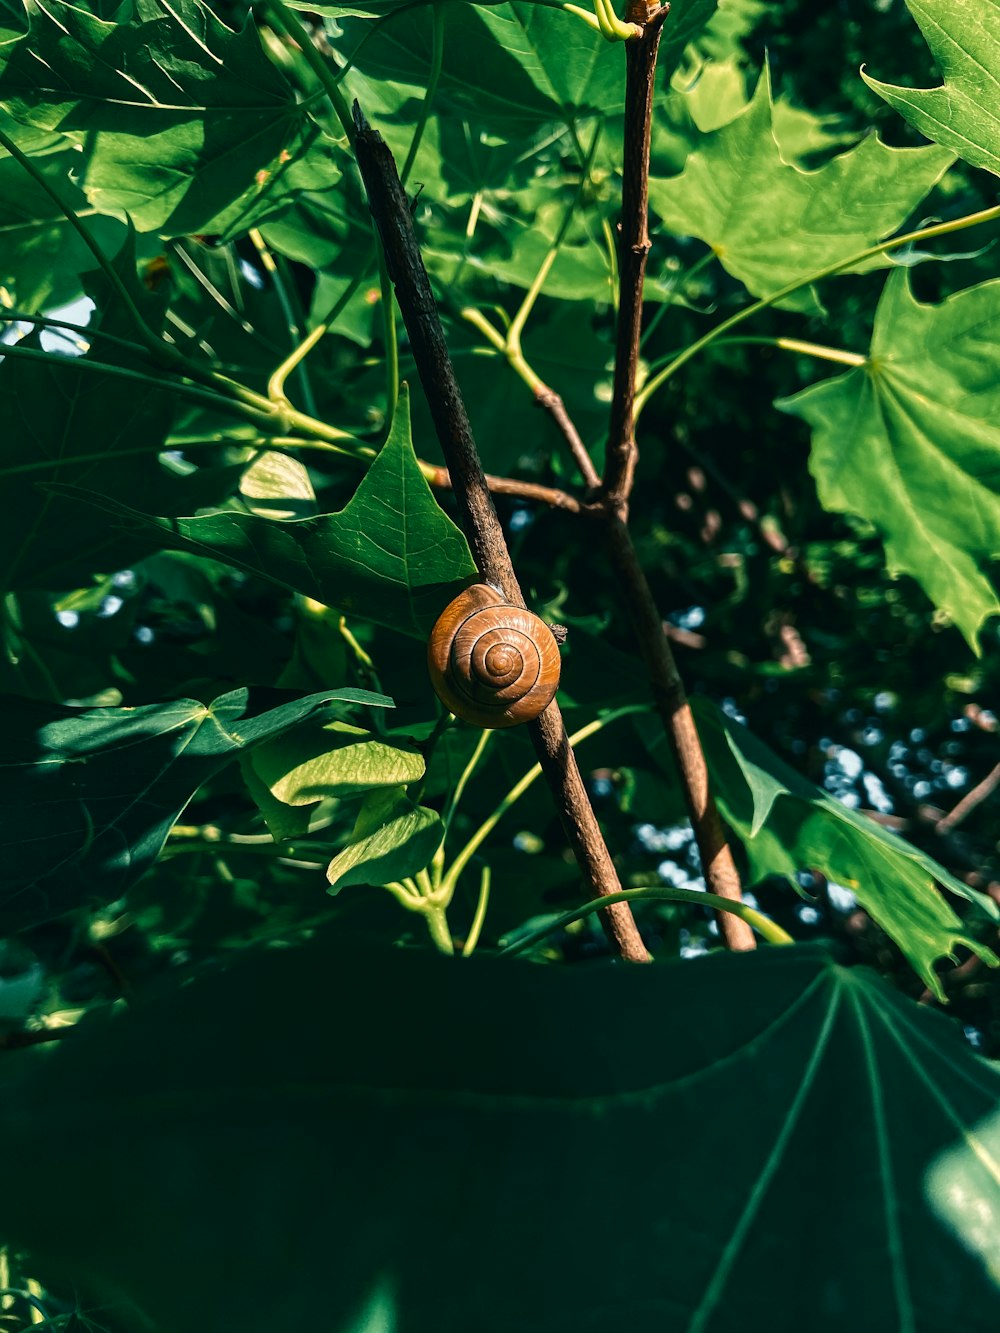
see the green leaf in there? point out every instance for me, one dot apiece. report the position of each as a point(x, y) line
point(392, 839)
point(910, 442)
point(339, 760)
point(770, 223)
point(391, 555)
point(185, 125)
point(88, 795)
point(41, 255)
point(313, 1112)
point(961, 114)
point(788, 825)
point(70, 423)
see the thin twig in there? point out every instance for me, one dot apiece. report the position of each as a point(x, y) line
point(969, 801)
point(718, 865)
point(390, 209)
point(521, 490)
point(553, 404)
point(640, 62)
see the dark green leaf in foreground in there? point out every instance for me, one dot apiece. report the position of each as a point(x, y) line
point(770, 223)
point(88, 795)
point(910, 441)
point(391, 555)
point(964, 36)
point(423, 1145)
point(788, 825)
point(185, 125)
point(68, 421)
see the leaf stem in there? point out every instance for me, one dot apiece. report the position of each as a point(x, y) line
point(292, 316)
point(437, 60)
point(517, 791)
point(475, 930)
point(391, 342)
point(437, 923)
point(276, 383)
point(288, 23)
point(462, 783)
point(838, 355)
point(765, 927)
point(872, 251)
point(84, 330)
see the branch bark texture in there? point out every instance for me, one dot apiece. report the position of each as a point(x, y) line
point(718, 865)
point(390, 209)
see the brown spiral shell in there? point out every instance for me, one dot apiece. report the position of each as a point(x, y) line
point(491, 663)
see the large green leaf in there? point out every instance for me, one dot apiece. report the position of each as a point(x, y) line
point(88, 795)
point(404, 1142)
point(185, 125)
point(788, 825)
point(391, 555)
point(769, 222)
point(41, 255)
point(68, 421)
point(911, 442)
point(962, 113)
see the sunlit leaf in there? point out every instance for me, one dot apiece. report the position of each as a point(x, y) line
point(788, 825)
point(185, 124)
point(965, 40)
point(392, 839)
point(770, 223)
point(910, 441)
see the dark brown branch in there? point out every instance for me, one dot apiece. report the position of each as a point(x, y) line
point(520, 490)
point(640, 62)
point(552, 403)
point(718, 866)
point(390, 209)
point(969, 801)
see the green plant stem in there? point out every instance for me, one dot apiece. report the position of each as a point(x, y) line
point(516, 792)
point(288, 22)
point(475, 930)
point(894, 243)
point(88, 334)
point(437, 924)
point(437, 59)
point(391, 342)
point(838, 355)
point(276, 384)
point(467, 772)
point(275, 444)
point(292, 316)
point(765, 927)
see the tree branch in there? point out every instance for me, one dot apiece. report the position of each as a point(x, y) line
point(391, 211)
point(640, 63)
point(718, 865)
point(551, 402)
point(521, 490)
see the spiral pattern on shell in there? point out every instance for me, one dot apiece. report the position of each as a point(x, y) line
point(491, 663)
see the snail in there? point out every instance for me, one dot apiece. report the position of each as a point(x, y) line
point(492, 664)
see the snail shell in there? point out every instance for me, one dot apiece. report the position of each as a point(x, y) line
point(491, 663)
